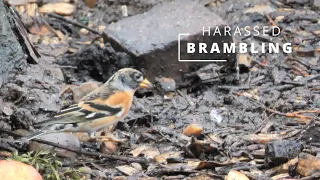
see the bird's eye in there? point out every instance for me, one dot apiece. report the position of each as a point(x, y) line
point(138, 77)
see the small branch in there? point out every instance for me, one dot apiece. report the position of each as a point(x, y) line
point(296, 114)
point(235, 88)
point(100, 155)
point(61, 18)
point(273, 23)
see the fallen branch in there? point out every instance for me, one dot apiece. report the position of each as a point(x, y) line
point(293, 114)
point(100, 155)
point(273, 23)
point(296, 114)
point(235, 88)
point(61, 18)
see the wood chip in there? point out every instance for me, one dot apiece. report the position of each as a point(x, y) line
point(61, 8)
point(31, 9)
point(127, 170)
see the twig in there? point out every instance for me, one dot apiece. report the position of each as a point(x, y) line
point(100, 155)
point(235, 88)
point(294, 83)
point(271, 21)
point(279, 88)
point(296, 114)
point(300, 71)
point(61, 18)
point(186, 98)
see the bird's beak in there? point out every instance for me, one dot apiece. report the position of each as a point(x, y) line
point(145, 84)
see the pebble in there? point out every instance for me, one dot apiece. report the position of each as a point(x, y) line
point(136, 166)
point(7, 111)
point(84, 31)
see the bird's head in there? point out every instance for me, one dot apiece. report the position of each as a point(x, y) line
point(129, 79)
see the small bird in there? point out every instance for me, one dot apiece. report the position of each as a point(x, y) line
point(101, 108)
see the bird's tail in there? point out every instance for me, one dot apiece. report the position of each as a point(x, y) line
point(31, 136)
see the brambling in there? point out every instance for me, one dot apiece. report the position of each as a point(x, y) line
point(99, 109)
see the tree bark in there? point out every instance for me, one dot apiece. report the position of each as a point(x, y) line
point(12, 54)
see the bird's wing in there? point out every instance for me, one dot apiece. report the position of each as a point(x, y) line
point(95, 106)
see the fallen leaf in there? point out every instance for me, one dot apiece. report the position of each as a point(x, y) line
point(146, 151)
point(214, 138)
point(108, 147)
point(127, 170)
point(162, 158)
point(90, 3)
point(307, 165)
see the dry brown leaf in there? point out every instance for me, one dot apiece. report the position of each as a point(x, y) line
point(83, 137)
point(162, 158)
point(119, 178)
point(40, 30)
point(197, 147)
point(108, 147)
point(147, 151)
point(284, 168)
point(212, 164)
point(236, 175)
point(195, 129)
point(308, 165)
point(90, 3)
point(213, 137)
point(60, 8)
point(127, 170)
point(6, 154)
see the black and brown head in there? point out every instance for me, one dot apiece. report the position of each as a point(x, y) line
point(128, 79)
